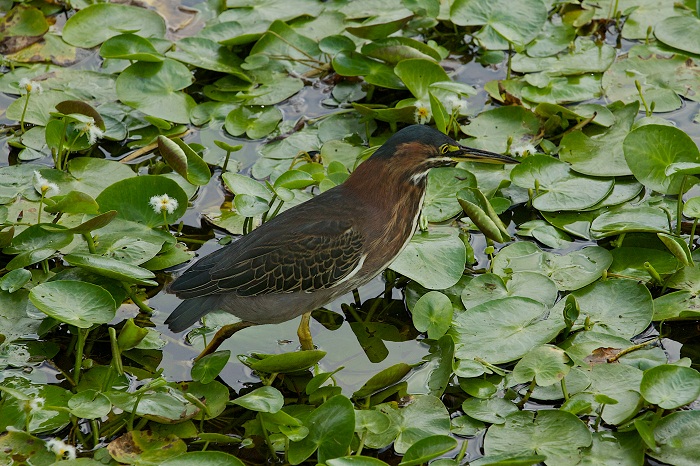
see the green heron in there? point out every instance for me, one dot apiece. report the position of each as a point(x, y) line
point(324, 248)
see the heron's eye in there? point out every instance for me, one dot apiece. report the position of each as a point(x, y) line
point(444, 149)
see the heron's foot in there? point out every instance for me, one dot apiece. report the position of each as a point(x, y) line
point(221, 335)
point(304, 332)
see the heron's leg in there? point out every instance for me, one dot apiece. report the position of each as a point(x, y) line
point(304, 332)
point(221, 335)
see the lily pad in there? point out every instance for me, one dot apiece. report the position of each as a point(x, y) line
point(675, 446)
point(558, 186)
point(600, 153)
point(76, 303)
point(155, 89)
point(93, 25)
point(679, 33)
point(487, 287)
point(619, 307)
point(502, 330)
point(669, 386)
point(131, 198)
point(331, 428)
point(558, 435)
point(650, 149)
point(435, 259)
point(517, 23)
point(662, 79)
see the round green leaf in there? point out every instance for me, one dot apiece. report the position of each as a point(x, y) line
point(628, 219)
point(419, 74)
point(331, 428)
point(558, 186)
point(558, 435)
point(130, 47)
point(619, 307)
point(349, 63)
point(93, 25)
point(433, 314)
point(356, 461)
point(435, 259)
point(428, 448)
point(650, 149)
point(669, 386)
point(518, 22)
point(480, 331)
point(154, 89)
point(207, 54)
point(76, 303)
point(440, 202)
point(680, 32)
point(675, 445)
point(487, 287)
point(145, 446)
point(255, 122)
point(207, 369)
point(492, 410)
point(263, 399)
point(131, 199)
point(89, 404)
point(546, 365)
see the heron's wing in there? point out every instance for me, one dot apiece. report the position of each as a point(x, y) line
point(314, 256)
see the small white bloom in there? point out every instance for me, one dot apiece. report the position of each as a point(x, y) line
point(423, 113)
point(525, 149)
point(92, 130)
point(35, 404)
point(163, 203)
point(455, 104)
point(43, 186)
point(61, 449)
point(27, 86)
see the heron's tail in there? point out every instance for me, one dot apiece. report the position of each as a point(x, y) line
point(190, 311)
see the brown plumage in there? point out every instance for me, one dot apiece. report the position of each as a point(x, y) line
point(322, 249)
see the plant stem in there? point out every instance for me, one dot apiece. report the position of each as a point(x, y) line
point(530, 389)
point(80, 346)
point(679, 207)
point(41, 206)
point(564, 390)
point(90, 242)
point(141, 305)
point(24, 111)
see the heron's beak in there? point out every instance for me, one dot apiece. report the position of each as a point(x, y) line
point(469, 154)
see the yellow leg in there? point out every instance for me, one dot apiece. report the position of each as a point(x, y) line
point(224, 332)
point(304, 332)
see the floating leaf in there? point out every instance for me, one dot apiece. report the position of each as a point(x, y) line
point(558, 435)
point(669, 386)
point(434, 259)
point(76, 303)
point(502, 330)
point(154, 89)
point(93, 25)
point(650, 149)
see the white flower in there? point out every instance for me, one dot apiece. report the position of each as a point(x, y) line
point(455, 104)
point(61, 449)
point(43, 186)
point(423, 113)
point(92, 130)
point(35, 404)
point(525, 149)
point(27, 86)
point(163, 203)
